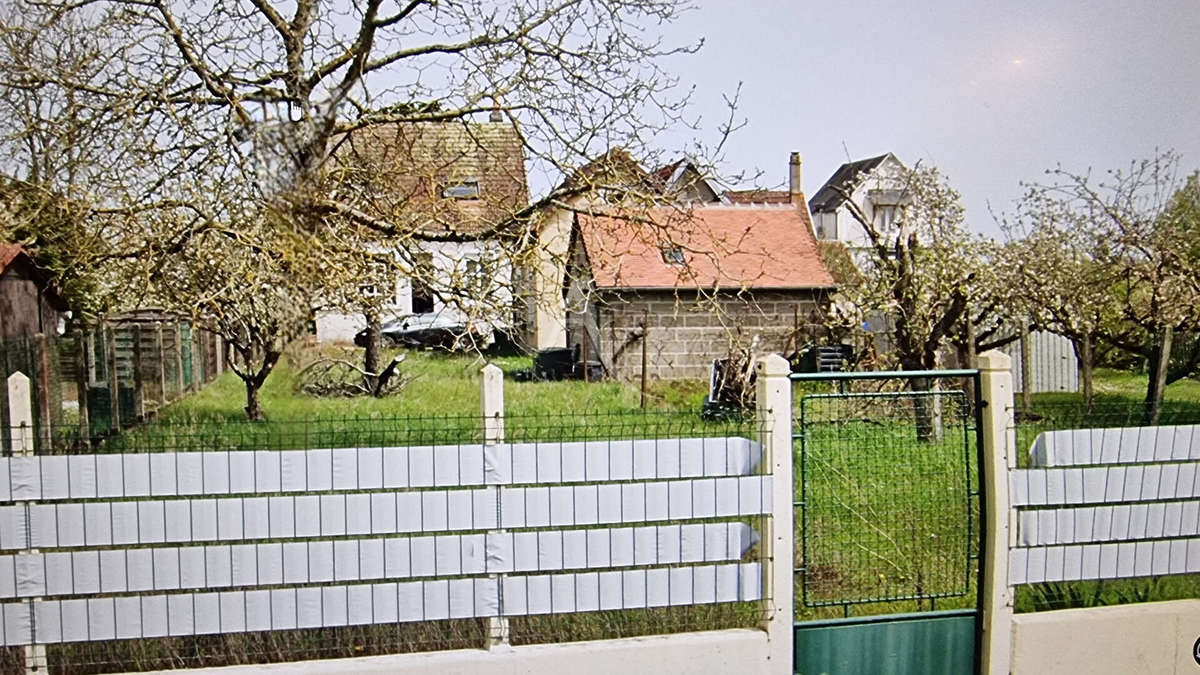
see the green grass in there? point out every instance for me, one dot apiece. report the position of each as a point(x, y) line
point(890, 521)
point(439, 384)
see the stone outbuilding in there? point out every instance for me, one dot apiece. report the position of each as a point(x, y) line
point(694, 284)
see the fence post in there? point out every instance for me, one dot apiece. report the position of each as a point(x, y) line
point(139, 400)
point(999, 456)
point(179, 359)
point(491, 395)
point(83, 376)
point(114, 379)
point(773, 399)
point(43, 399)
point(218, 354)
point(197, 358)
point(160, 346)
point(20, 416)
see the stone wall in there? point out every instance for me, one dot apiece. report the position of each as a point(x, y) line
point(687, 330)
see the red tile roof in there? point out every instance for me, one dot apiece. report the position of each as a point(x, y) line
point(8, 253)
point(722, 247)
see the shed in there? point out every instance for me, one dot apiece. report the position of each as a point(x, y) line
point(703, 280)
point(29, 303)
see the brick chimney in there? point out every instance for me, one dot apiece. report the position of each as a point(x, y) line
point(795, 179)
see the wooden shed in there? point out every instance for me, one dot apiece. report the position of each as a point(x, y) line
point(29, 304)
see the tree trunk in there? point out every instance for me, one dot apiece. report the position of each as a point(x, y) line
point(1026, 369)
point(371, 357)
point(1160, 360)
point(926, 410)
point(253, 409)
point(1084, 351)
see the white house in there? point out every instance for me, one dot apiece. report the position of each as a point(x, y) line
point(451, 191)
point(875, 184)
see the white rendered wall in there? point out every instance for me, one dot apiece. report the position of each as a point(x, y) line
point(1151, 637)
point(449, 261)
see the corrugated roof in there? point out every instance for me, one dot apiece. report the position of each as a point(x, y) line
point(721, 247)
point(398, 173)
point(846, 178)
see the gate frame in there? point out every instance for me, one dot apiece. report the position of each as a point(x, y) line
point(992, 384)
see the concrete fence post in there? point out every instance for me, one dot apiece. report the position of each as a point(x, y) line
point(20, 416)
point(773, 399)
point(999, 456)
point(491, 396)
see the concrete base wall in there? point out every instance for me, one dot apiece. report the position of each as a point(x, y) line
point(717, 652)
point(687, 332)
point(1152, 637)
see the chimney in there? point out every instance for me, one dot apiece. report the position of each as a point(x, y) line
point(496, 116)
point(795, 175)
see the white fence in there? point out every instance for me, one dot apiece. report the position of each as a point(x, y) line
point(1093, 504)
point(180, 544)
point(1053, 365)
point(1107, 504)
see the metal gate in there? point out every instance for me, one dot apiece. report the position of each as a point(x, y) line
point(889, 521)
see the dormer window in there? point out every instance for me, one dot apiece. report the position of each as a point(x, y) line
point(673, 255)
point(463, 189)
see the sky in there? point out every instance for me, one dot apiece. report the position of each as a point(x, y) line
point(992, 93)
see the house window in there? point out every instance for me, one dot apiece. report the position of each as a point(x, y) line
point(477, 277)
point(673, 255)
point(377, 282)
point(463, 189)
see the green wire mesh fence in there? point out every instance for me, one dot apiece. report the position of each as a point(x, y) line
point(888, 496)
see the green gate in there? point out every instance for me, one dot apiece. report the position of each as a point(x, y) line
point(888, 521)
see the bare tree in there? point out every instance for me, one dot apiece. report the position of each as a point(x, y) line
point(232, 114)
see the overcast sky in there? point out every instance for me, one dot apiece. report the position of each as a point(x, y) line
point(992, 93)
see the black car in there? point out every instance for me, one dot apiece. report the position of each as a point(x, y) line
point(434, 330)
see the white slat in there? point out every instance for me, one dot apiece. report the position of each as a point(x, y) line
point(120, 476)
point(309, 562)
point(1119, 560)
point(69, 525)
point(108, 618)
point(1128, 445)
point(1121, 522)
point(1104, 484)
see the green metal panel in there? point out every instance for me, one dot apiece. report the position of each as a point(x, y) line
point(932, 643)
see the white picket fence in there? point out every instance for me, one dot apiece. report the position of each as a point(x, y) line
point(181, 544)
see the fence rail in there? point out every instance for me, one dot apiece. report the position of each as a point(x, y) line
point(102, 548)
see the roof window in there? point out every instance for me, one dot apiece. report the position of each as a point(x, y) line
point(673, 255)
point(463, 189)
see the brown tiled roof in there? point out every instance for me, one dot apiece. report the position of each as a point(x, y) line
point(8, 253)
point(759, 196)
point(397, 173)
point(722, 247)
